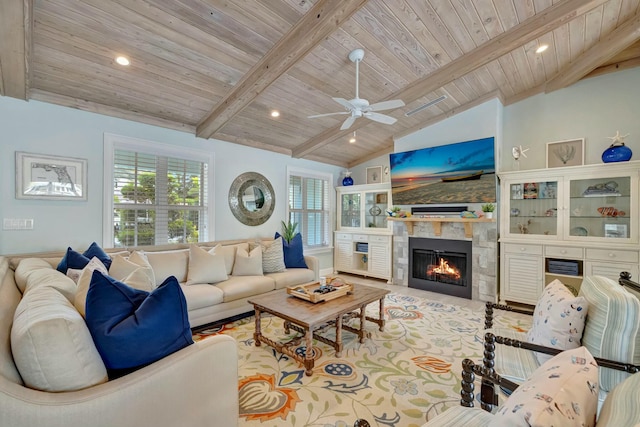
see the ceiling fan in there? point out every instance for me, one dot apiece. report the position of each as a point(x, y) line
point(358, 107)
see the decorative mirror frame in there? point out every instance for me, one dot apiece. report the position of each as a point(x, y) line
point(238, 188)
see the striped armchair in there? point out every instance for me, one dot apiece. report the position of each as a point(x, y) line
point(611, 334)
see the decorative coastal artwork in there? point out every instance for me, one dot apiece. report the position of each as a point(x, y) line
point(456, 173)
point(43, 176)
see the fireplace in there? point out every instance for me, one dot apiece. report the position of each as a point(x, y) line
point(440, 265)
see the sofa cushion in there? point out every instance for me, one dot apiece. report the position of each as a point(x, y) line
point(84, 281)
point(292, 277)
point(206, 266)
point(229, 253)
point(51, 344)
point(614, 315)
point(248, 264)
point(169, 263)
point(122, 266)
point(50, 277)
point(561, 392)
point(238, 287)
point(558, 319)
point(26, 267)
point(293, 252)
point(132, 328)
point(202, 296)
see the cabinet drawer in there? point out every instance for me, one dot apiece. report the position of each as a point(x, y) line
point(516, 248)
point(379, 239)
point(361, 237)
point(343, 236)
point(612, 255)
point(563, 252)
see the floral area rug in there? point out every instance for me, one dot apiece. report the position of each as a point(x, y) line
point(401, 377)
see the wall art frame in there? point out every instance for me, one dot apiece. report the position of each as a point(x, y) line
point(48, 177)
point(374, 175)
point(569, 152)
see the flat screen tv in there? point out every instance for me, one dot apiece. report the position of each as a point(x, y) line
point(455, 173)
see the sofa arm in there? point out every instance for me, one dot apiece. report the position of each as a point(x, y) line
point(314, 264)
point(196, 386)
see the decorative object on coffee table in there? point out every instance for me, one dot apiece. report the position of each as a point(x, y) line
point(617, 151)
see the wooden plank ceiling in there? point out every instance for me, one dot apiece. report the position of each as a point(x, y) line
point(218, 68)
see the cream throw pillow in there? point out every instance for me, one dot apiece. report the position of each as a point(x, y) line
point(85, 280)
point(206, 267)
point(248, 264)
point(122, 267)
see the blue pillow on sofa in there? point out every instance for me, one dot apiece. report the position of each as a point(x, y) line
point(293, 255)
point(133, 328)
point(73, 259)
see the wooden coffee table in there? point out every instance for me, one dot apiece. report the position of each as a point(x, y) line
point(312, 319)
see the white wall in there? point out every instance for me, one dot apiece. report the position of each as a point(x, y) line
point(37, 127)
point(593, 109)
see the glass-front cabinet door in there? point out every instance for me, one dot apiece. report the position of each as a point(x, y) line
point(350, 210)
point(600, 208)
point(375, 207)
point(533, 208)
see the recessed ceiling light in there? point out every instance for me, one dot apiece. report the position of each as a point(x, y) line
point(122, 60)
point(275, 113)
point(542, 48)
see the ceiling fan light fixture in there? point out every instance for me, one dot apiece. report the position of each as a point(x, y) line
point(542, 48)
point(122, 60)
point(352, 140)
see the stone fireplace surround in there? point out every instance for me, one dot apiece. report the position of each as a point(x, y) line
point(484, 252)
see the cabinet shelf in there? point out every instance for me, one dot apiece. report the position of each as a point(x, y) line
point(437, 223)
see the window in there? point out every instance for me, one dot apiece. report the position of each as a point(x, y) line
point(309, 206)
point(155, 193)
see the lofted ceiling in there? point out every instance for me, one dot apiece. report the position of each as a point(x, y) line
point(216, 68)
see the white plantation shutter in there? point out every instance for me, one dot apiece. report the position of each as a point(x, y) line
point(157, 198)
point(309, 206)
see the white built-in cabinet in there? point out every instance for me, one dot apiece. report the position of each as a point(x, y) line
point(565, 223)
point(363, 239)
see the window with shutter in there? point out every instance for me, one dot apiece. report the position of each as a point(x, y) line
point(309, 206)
point(158, 194)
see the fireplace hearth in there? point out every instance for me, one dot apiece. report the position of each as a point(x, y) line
point(441, 265)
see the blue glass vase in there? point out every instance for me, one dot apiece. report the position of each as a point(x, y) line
point(617, 153)
point(347, 180)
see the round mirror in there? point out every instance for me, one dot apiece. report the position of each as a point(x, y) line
point(251, 198)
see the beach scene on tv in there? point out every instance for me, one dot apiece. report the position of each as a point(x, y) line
point(455, 173)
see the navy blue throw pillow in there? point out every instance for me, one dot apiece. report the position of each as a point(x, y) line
point(133, 328)
point(293, 255)
point(95, 250)
point(72, 259)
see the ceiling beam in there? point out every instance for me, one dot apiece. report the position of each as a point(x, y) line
point(612, 68)
point(542, 23)
point(319, 22)
point(15, 46)
point(606, 48)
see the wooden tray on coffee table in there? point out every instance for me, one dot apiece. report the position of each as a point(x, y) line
point(306, 292)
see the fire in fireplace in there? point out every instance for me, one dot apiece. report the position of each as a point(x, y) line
point(440, 265)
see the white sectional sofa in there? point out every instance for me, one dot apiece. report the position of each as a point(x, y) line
point(195, 386)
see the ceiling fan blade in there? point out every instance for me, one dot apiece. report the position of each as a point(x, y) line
point(327, 114)
point(346, 104)
point(381, 118)
point(386, 105)
point(347, 123)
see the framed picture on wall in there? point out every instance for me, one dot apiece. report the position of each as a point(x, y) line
point(374, 175)
point(42, 176)
point(565, 153)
